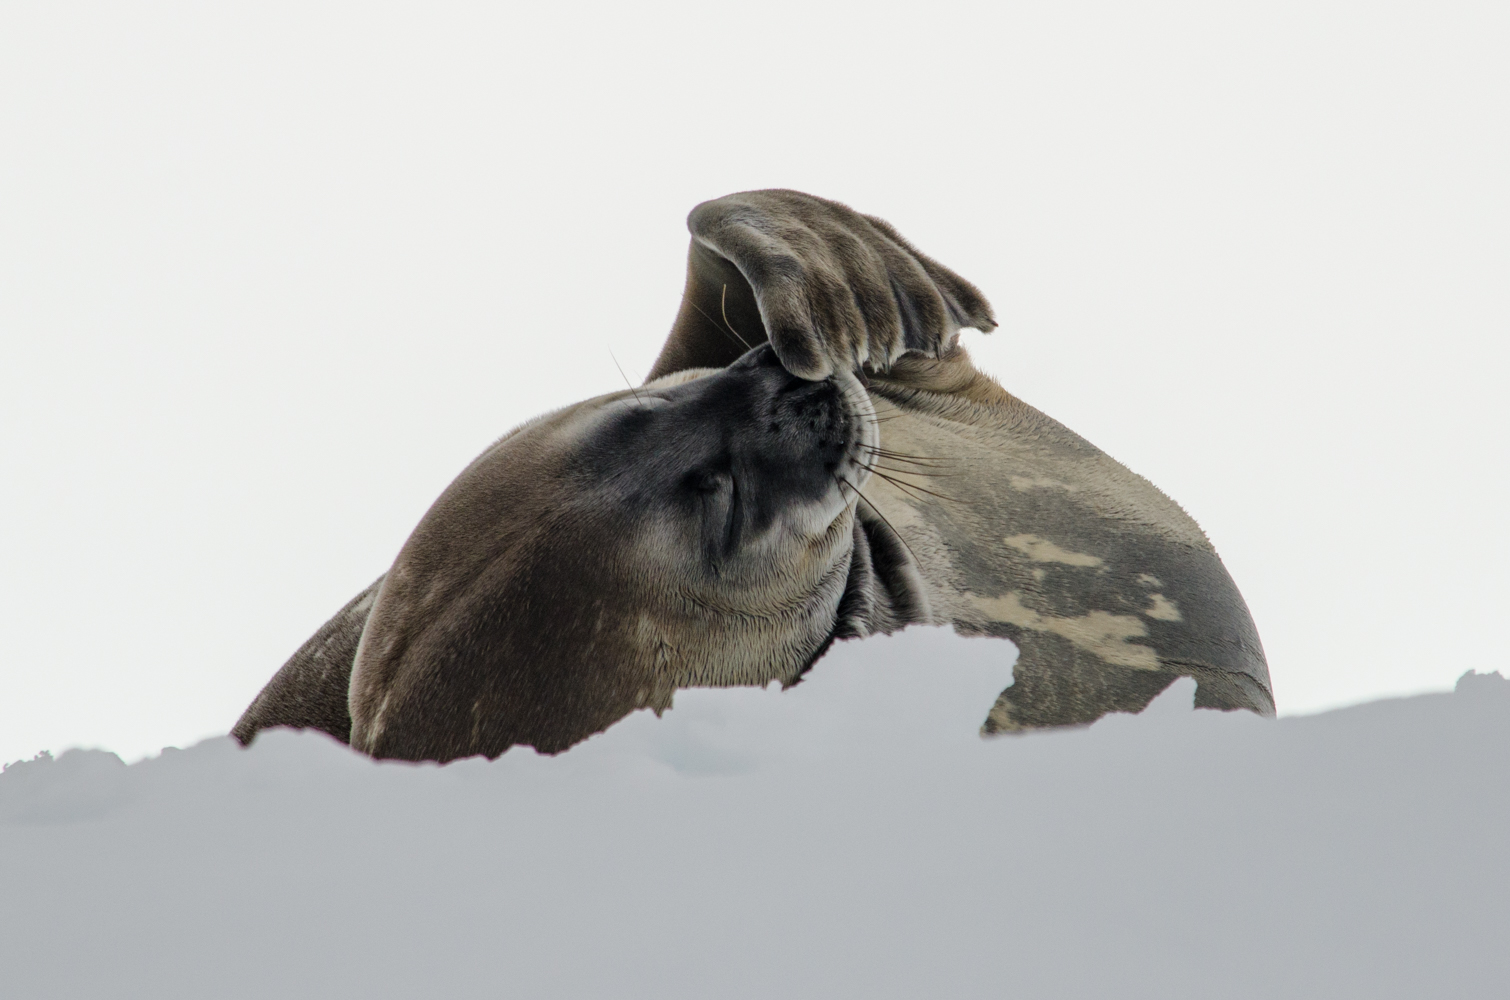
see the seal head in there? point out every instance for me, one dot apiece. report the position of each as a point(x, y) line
point(696, 531)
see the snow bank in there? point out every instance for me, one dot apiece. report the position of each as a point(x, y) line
point(849, 837)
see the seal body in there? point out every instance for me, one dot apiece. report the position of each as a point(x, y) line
point(814, 458)
point(1025, 530)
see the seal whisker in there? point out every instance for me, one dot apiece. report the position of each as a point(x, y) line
point(723, 299)
point(877, 512)
point(904, 457)
point(905, 488)
point(907, 459)
point(903, 470)
point(889, 453)
point(913, 472)
point(737, 338)
point(620, 367)
point(918, 467)
point(909, 487)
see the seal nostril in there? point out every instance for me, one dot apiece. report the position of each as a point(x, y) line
point(775, 427)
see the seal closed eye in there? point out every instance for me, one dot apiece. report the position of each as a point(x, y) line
point(748, 506)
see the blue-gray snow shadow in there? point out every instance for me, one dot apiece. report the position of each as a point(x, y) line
point(849, 837)
point(920, 689)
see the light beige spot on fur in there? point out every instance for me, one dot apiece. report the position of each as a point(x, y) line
point(1099, 632)
point(1149, 580)
point(1164, 609)
point(1039, 483)
point(646, 633)
point(680, 378)
point(1043, 550)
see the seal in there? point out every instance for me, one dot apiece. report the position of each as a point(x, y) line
point(814, 458)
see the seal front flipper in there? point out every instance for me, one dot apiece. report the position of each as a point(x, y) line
point(310, 691)
point(831, 289)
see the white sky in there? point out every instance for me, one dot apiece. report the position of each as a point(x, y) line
point(272, 273)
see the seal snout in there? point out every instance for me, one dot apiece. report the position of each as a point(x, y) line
point(826, 425)
point(815, 410)
point(786, 450)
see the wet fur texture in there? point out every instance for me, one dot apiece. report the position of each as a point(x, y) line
point(584, 567)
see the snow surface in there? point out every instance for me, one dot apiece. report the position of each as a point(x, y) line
point(852, 836)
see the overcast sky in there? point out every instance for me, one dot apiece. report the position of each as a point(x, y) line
point(272, 273)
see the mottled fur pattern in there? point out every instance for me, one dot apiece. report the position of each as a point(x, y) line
point(754, 502)
point(1108, 587)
